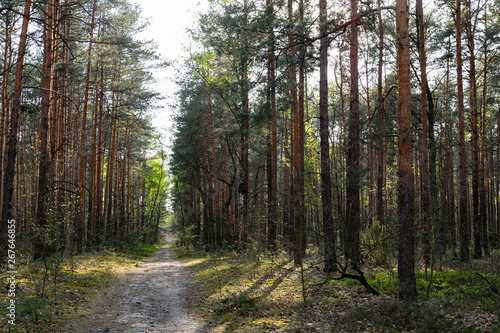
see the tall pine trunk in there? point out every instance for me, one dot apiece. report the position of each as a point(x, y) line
point(40, 249)
point(380, 122)
point(406, 247)
point(10, 162)
point(272, 165)
point(424, 148)
point(80, 224)
point(353, 149)
point(464, 225)
point(329, 251)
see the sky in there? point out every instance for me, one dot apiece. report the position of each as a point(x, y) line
point(168, 21)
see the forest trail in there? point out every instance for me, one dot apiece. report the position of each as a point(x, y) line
point(150, 298)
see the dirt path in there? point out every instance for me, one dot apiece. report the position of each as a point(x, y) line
point(151, 298)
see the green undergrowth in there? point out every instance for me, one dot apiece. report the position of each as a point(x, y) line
point(262, 293)
point(50, 292)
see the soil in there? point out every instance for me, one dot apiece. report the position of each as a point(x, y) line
point(153, 297)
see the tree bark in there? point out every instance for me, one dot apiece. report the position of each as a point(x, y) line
point(329, 251)
point(464, 226)
point(40, 250)
point(424, 156)
point(80, 225)
point(272, 175)
point(353, 209)
point(406, 240)
point(380, 122)
point(10, 162)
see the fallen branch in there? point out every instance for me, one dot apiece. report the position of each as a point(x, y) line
point(361, 278)
point(493, 287)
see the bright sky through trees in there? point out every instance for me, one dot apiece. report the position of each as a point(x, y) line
point(168, 21)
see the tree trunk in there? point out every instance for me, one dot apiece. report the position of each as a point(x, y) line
point(272, 175)
point(482, 179)
point(353, 149)
point(448, 168)
point(4, 125)
point(464, 226)
point(406, 248)
point(475, 132)
point(80, 225)
point(380, 122)
point(10, 161)
point(329, 251)
point(424, 156)
point(40, 250)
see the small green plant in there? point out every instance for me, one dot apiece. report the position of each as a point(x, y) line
point(187, 235)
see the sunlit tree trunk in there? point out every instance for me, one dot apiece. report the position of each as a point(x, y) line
point(272, 175)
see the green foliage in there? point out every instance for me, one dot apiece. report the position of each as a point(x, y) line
point(50, 292)
point(379, 244)
point(187, 235)
point(261, 292)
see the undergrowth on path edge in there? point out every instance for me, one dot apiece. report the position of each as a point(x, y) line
point(52, 292)
point(262, 293)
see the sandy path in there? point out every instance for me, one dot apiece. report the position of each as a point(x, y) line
point(151, 298)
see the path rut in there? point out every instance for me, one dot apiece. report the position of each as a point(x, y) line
point(151, 298)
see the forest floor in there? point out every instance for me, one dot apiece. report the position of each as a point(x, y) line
point(181, 289)
point(259, 292)
point(137, 290)
point(152, 297)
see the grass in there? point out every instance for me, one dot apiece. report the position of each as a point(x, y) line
point(258, 293)
point(51, 292)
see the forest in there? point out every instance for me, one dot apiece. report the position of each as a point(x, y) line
point(361, 130)
point(346, 140)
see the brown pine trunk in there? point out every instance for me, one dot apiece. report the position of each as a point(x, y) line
point(329, 251)
point(40, 250)
point(10, 159)
point(7, 63)
point(475, 132)
point(100, 227)
point(93, 189)
point(451, 239)
point(482, 179)
point(272, 175)
point(216, 239)
point(245, 127)
point(406, 240)
point(380, 122)
point(424, 156)
point(353, 149)
point(464, 226)
point(80, 224)
point(294, 136)
point(108, 199)
point(287, 226)
point(300, 232)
